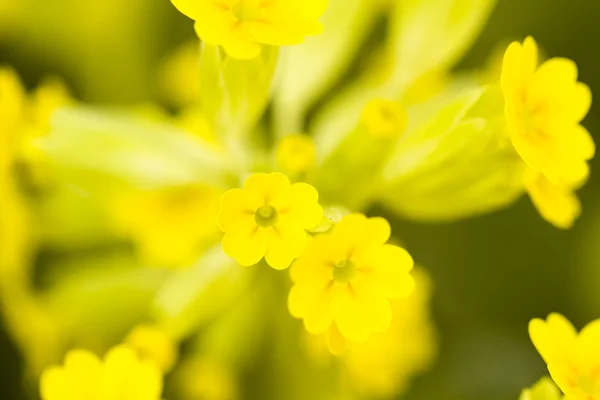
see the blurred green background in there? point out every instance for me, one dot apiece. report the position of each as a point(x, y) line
point(492, 274)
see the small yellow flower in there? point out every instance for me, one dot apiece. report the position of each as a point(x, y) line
point(544, 389)
point(241, 26)
point(557, 204)
point(544, 107)
point(573, 358)
point(296, 153)
point(268, 218)
point(153, 344)
point(384, 118)
point(84, 376)
point(345, 278)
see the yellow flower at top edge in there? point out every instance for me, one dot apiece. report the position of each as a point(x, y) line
point(573, 358)
point(242, 26)
point(345, 279)
point(121, 375)
point(268, 218)
point(544, 389)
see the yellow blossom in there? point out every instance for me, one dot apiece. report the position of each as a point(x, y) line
point(153, 344)
point(296, 153)
point(544, 389)
point(384, 118)
point(268, 218)
point(241, 26)
point(121, 375)
point(573, 358)
point(170, 227)
point(544, 107)
point(345, 279)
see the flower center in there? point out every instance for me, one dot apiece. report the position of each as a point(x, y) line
point(246, 10)
point(344, 271)
point(266, 216)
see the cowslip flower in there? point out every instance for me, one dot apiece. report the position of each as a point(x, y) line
point(296, 153)
point(384, 118)
point(544, 389)
point(155, 345)
point(268, 218)
point(544, 107)
point(121, 375)
point(345, 279)
point(573, 358)
point(242, 26)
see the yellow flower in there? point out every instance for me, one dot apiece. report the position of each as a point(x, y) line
point(544, 389)
point(84, 376)
point(241, 26)
point(171, 226)
point(557, 204)
point(544, 107)
point(384, 118)
point(153, 344)
point(268, 218)
point(573, 358)
point(345, 279)
point(296, 153)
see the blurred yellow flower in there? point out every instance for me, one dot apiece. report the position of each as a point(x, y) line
point(544, 107)
point(544, 389)
point(348, 276)
point(296, 153)
point(573, 358)
point(153, 344)
point(206, 379)
point(241, 26)
point(84, 376)
point(268, 218)
point(172, 226)
point(384, 118)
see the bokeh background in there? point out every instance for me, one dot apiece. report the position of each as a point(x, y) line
point(492, 274)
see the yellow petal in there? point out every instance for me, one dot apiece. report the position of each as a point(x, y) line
point(554, 338)
point(56, 385)
point(316, 264)
point(237, 210)
point(304, 208)
point(247, 245)
point(286, 244)
point(556, 204)
point(357, 231)
point(359, 314)
point(385, 270)
point(269, 189)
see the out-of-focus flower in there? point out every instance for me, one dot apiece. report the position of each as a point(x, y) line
point(573, 358)
point(384, 366)
point(205, 379)
point(178, 77)
point(544, 389)
point(268, 218)
point(121, 375)
point(242, 26)
point(384, 118)
point(544, 107)
point(170, 226)
point(345, 279)
point(153, 344)
point(296, 154)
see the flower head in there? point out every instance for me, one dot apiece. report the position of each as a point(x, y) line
point(544, 107)
point(241, 26)
point(384, 118)
point(573, 358)
point(268, 218)
point(153, 344)
point(345, 278)
point(121, 375)
point(296, 153)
